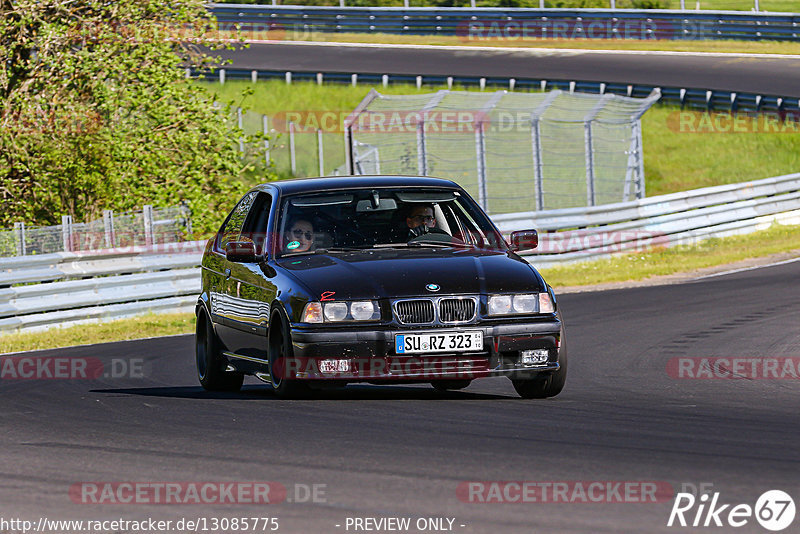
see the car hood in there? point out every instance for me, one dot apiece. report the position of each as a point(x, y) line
point(402, 272)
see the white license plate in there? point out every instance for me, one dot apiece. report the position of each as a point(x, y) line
point(438, 342)
point(334, 366)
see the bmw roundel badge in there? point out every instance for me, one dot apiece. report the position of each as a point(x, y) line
point(432, 287)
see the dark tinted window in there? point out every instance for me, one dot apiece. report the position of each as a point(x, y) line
point(256, 225)
point(233, 227)
point(383, 217)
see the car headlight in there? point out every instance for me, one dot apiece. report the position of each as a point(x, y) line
point(333, 312)
point(524, 303)
point(363, 310)
point(312, 313)
point(546, 303)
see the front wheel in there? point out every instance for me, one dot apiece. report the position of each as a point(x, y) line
point(546, 385)
point(211, 364)
point(281, 361)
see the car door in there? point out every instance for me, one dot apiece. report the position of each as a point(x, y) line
point(251, 286)
point(223, 300)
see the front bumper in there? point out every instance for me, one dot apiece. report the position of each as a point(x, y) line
point(370, 353)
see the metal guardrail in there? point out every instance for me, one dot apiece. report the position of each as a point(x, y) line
point(110, 284)
point(689, 98)
point(580, 234)
point(116, 283)
point(515, 23)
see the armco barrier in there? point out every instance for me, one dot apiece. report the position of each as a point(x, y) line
point(119, 283)
point(691, 98)
point(580, 234)
point(110, 284)
point(514, 22)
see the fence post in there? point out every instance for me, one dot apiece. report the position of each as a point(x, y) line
point(348, 150)
point(108, 227)
point(253, 76)
point(589, 150)
point(265, 128)
point(536, 146)
point(589, 146)
point(239, 122)
point(480, 155)
point(147, 216)
point(640, 191)
point(319, 151)
point(19, 233)
point(538, 180)
point(292, 157)
point(422, 152)
point(66, 232)
point(222, 76)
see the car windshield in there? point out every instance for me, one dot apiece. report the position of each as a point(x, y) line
point(383, 218)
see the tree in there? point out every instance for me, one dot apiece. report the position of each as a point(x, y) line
point(96, 112)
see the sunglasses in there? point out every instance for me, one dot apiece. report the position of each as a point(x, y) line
point(299, 233)
point(425, 218)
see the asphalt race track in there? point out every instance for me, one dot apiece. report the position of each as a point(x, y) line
point(401, 451)
point(760, 75)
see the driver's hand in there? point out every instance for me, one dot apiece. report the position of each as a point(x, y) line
point(417, 231)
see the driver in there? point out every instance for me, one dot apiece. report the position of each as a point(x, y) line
point(299, 237)
point(420, 220)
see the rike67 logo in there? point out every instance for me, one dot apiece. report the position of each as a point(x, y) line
point(774, 510)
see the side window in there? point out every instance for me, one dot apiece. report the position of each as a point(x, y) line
point(257, 222)
point(233, 227)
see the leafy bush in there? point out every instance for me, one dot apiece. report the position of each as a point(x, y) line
point(96, 112)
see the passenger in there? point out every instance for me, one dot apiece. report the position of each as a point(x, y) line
point(299, 237)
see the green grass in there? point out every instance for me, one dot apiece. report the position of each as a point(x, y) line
point(684, 258)
point(150, 325)
point(674, 160)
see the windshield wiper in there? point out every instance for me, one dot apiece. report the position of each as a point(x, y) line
point(338, 249)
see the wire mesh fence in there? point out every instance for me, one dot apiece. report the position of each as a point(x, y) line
point(513, 152)
point(291, 148)
point(136, 228)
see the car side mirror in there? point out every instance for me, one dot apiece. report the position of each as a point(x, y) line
point(242, 252)
point(524, 240)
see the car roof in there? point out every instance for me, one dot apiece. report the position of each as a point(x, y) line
point(308, 185)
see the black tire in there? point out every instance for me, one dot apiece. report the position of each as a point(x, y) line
point(546, 385)
point(448, 385)
point(209, 360)
point(280, 347)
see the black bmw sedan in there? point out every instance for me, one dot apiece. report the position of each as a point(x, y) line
point(322, 282)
